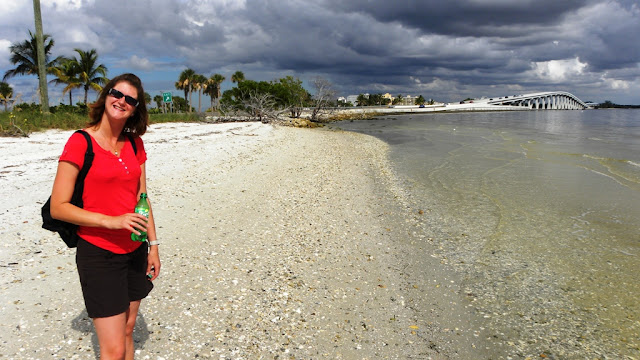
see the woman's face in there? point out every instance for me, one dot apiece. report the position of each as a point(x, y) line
point(121, 108)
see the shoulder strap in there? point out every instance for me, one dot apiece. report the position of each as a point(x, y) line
point(133, 143)
point(88, 161)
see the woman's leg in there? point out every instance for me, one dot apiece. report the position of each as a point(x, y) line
point(111, 336)
point(132, 314)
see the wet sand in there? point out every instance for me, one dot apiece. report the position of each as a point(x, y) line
point(275, 243)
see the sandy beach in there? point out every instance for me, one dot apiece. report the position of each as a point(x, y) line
point(276, 242)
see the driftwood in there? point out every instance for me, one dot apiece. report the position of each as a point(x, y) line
point(13, 131)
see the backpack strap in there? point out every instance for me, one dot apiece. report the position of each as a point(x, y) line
point(78, 189)
point(133, 143)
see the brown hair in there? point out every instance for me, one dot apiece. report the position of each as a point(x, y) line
point(137, 124)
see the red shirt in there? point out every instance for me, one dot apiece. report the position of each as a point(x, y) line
point(111, 188)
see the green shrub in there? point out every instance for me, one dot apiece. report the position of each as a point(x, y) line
point(27, 118)
point(81, 109)
point(164, 118)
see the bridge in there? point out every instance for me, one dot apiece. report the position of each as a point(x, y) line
point(551, 100)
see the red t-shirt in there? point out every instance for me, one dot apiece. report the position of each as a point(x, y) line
point(111, 188)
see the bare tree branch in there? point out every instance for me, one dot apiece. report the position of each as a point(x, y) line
point(323, 98)
point(263, 106)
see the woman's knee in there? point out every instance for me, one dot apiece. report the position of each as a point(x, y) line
point(113, 351)
point(128, 331)
point(132, 314)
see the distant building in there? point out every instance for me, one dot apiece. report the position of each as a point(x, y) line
point(591, 104)
point(406, 100)
point(352, 99)
point(409, 100)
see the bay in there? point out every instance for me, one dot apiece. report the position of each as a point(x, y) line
point(539, 212)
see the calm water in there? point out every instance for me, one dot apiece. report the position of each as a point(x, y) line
point(540, 212)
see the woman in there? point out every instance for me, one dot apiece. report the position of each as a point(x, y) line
point(115, 272)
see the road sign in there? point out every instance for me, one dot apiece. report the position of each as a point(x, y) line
point(167, 97)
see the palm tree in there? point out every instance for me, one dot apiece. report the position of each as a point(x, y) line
point(181, 86)
point(6, 92)
point(362, 100)
point(25, 55)
point(200, 84)
point(67, 74)
point(90, 74)
point(158, 100)
point(213, 87)
point(237, 77)
point(185, 83)
point(375, 99)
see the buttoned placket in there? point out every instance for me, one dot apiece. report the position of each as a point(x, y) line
point(124, 164)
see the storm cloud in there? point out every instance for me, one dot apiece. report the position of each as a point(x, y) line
point(441, 50)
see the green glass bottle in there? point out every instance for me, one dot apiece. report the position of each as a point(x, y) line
point(142, 207)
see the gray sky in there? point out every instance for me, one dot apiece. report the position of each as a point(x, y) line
point(445, 50)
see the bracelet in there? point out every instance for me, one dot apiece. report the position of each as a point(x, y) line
point(154, 242)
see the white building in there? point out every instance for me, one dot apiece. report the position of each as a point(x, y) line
point(353, 99)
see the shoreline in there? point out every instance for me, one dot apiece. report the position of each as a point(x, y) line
point(276, 241)
point(546, 287)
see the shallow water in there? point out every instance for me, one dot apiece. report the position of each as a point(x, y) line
point(539, 210)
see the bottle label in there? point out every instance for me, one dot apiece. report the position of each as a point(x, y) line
point(142, 211)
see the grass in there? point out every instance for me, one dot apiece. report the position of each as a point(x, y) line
point(25, 120)
point(165, 118)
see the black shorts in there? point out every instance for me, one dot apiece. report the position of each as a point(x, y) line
point(110, 281)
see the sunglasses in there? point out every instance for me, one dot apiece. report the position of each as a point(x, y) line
point(128, 99)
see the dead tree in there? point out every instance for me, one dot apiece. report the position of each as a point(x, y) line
point(323, 98)
point(262, 106)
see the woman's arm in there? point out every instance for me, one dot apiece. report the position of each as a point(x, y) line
point(153, 260)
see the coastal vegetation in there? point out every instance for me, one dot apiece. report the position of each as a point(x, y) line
point(610, 105)
point(27, 118)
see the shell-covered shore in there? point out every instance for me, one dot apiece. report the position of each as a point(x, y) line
point(276, 242)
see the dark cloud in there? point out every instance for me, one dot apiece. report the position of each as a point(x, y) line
point(448, 49)
point(499, 18)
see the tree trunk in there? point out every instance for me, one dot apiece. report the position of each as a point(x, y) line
point(42, 71)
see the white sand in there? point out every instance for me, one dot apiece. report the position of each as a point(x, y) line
point(276, 242)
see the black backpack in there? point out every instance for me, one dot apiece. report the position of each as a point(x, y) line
point(68, 231)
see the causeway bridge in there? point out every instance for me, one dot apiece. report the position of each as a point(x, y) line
point(551, 100)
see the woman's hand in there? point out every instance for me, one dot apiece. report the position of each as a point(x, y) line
point(134, 222)
point(153, 262)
